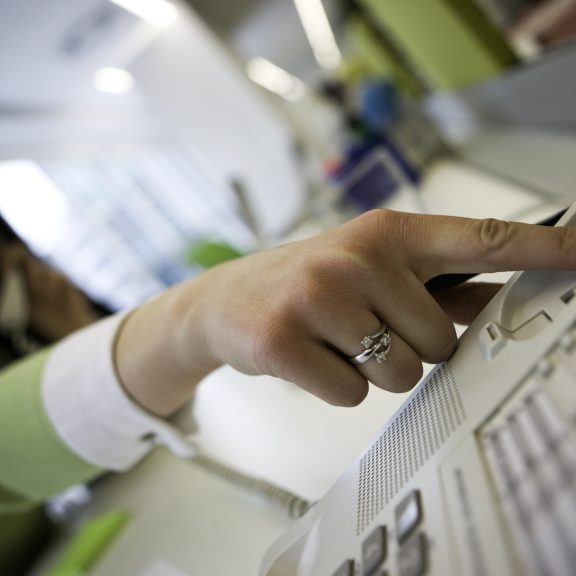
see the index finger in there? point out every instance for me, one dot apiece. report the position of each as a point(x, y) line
point(446, 244)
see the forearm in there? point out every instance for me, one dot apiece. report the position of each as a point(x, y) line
point(161, 353)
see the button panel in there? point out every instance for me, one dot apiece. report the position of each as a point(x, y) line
point(374, 550)
point(408, 515)
point(345, 569)
point(412, 556)
point(412, 547)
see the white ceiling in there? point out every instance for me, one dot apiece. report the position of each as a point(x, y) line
point(266, 28)
point(49, 50)
point(274, 32)
point(48, 44)
point(223, 16)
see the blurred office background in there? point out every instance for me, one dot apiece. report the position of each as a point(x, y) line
point(143, 141)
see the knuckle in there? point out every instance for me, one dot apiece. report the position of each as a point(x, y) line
point(325, 281)
point(379, 231)
point(384, 222)
point(442, 350)
point(493, 235)
point(373, 218)
point(271, 342)
point(404, 371)
point(565, 240)
point(408, 376)
point(310, 290)
point(354, 396)
point(269, 347)
point(379, 222)
point(397, 229)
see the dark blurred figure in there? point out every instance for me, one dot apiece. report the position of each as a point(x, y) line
point(38, 306)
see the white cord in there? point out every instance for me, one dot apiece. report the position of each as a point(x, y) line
point(293, 504)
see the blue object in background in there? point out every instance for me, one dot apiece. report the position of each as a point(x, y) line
point(367, 180)
point(379, 104)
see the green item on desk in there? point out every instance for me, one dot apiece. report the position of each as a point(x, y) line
point(68, 572)
point(90, 543)
point(208, 253)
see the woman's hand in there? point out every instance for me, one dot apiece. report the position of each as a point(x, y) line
point(299, 312)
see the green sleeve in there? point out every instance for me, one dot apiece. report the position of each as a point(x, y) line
point(34, 462)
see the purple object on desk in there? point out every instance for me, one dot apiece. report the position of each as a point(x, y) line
point(368, 182)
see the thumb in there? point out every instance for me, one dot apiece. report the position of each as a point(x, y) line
point(463, 303)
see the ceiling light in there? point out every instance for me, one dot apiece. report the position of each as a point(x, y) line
point(275, 79)
point(113, 80)
point(319, 33)
point(157, 12)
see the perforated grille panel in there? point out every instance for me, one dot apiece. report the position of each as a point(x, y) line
point(429, 419)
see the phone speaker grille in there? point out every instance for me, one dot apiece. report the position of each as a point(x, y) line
point(425, 423)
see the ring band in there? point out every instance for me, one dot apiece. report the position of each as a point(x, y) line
point(376, 346)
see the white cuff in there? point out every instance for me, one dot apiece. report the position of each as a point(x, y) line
point(89, 409)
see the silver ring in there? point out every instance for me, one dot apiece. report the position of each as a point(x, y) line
point(376, 346)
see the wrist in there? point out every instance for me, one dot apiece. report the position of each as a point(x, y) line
point(160, 351)
point(189, 321)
